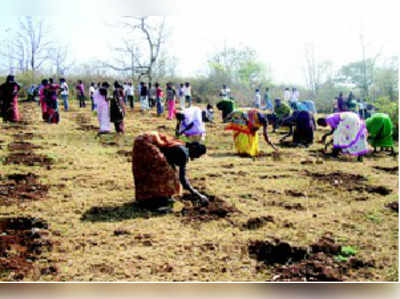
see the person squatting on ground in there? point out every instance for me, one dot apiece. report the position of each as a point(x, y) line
point(349, 134)
point(154, 161)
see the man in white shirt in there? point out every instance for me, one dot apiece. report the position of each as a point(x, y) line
point(187, 91)
point(225, 92)
point(257, 99)
point(129, 95)
point(286, 95)
point(91, 95)
point(64, 93)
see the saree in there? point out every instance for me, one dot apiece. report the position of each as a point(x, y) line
point(304, 128)
point(350, 133)
point(380, 130)
point(154, 177)
point(198, 130)
point(245, 123)
point(103, 111)
point(9, 97)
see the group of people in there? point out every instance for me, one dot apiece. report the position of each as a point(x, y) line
point(156, 156)
point(351, 103)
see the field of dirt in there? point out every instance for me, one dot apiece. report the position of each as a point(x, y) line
point(67, 210)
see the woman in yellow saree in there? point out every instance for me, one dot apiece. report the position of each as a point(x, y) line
point(244, 123)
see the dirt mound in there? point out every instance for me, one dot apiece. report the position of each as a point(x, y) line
point(349, 182)
point(18, 188)
point(216, 209)
point(257, 222)
point(393, 205)
point(125, 153)
point(388, 169)
point(87, 127)
point(288, 206)
point(26, 136)
point(29, 159)
point(22, 242)
point(317, 262)
point(275, 252)
point(22, 146)
point(294, 193)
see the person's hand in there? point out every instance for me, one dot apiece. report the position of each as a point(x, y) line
point(203, 199)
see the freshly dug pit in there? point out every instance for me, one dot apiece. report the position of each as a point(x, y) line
point(294, 193)
point(257, 222)
point(288, 206)
point(17, 188)
point(392, 170)
point(22, 242)
point(26, 136)
point(22, 146)
point(216, 209)
point(29, 159)
point(86, 127)
point(394, 206)
point(275, 252)
point(349, 182)
point(315, 263)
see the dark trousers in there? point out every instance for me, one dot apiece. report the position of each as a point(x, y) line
point(131, 101)
point(81, 99)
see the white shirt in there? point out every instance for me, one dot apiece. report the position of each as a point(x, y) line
point(91, 90)
point(257, 100)
point(65, 89)
point(129, 90)
point(187, 91)
point(286, 95)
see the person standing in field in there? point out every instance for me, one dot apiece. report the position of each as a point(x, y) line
point(125, 87)
point(245, 123)
point(80, 91)
point(50, 92)
point(129, 95)
point(187, 91)
point(163, 155)
point(257, 99)
point(349, 134)
point(181, 96)
point(190, 123)
point(225, 92)
point(144, 101)
point(117, 108)
point(286, 95)
point(9, 100)
point(341, 105)
point(152, 95)
point(103, 108)
point(42, 101)
point(91, 95)
point(159, 100)
point(171, 95)
point(267, 101)
point(64, 93)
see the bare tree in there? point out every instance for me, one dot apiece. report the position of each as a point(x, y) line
point(139, 54)
point(316, 72)
point(59, 58)
point(28, 47)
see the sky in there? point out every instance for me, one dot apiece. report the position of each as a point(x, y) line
point(278, 31)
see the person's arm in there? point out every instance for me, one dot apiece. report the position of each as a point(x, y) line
point(178, 124)
point(290, 133)
point(187, 128)
point(186, 184)
point(326, 135)
point(266, 137)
